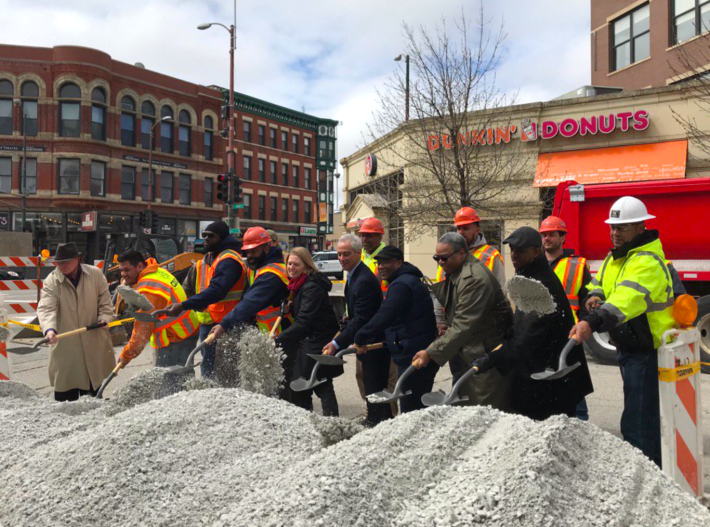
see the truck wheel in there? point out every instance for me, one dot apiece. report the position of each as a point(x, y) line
point(600, 349)
point(703, 325)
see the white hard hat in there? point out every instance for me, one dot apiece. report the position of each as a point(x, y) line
point(628, 210)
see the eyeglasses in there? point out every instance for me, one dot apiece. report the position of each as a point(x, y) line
point(440, 259)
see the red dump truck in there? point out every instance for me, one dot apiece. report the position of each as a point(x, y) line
point(682, 210)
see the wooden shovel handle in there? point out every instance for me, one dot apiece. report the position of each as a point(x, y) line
point(377, 346)
point(81, 330)
point(276, 326)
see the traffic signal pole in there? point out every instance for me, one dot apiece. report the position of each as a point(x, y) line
point(230, 154)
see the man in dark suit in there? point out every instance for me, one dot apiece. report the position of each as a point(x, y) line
point(363, 297)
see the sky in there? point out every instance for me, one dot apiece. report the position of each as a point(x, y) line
point(327, 57)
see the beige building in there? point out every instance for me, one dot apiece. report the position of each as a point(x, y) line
point(625, 136)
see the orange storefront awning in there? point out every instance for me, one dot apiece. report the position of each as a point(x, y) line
point(617, 164)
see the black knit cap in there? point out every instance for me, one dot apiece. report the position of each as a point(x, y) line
point(219, 228)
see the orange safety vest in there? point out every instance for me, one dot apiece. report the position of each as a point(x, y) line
point(570, 271)
point(266, 318)
point(161, 283)
point(487, 254)
point(219, 310)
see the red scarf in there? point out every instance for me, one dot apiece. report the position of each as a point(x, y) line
point(294, 284)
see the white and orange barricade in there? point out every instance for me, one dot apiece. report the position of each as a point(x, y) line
point(22, 307)
point(681, 416)
point(4, 360)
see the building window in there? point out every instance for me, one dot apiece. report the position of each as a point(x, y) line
point(209, 200)
point(69, 176)
point(247, 131)
point(284, 209)
point(632, 38)
point(262, 207)
point(307, 212)
point(262, 134)
point(6, 175)
point(98, 178)
point(284, 174)
point(185, 189)
point(209, 134)
point(98, 114)
point(274, 208)
point(272, 168)
point(128, 122)
point(247, 205)
point(284, 140)
point(247, 167)
point(690, 18)
point(307, 178)
point(166, 187)
point(307, 145)
point(6, 107)
point(30, 107)
point(184, 133)
point(166, 130)
point(295, 176)
point(145, 185)
point(128, 183)
point(30, 169)
point(294, 140)
point(273, 132)
point(69, 111)
point(262, 170)
point(147, 121)
point(296, 219)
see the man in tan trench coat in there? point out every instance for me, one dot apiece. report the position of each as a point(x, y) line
point(477, 317)
point(76, 295)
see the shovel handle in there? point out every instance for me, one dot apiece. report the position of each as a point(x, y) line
point(276, 326)
point(73, 332)
point(377, 346)
point(160, 313)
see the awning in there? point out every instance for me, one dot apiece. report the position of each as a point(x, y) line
point(617, 164)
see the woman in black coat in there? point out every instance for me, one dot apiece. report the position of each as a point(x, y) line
point(314, 326)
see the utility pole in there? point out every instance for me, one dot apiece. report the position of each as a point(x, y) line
point(23, 169)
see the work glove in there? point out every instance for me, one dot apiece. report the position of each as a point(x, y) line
point(483, 364)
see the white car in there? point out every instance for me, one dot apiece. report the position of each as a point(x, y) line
point(328, 264)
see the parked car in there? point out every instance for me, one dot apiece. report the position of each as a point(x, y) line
point(328, 264)
point(6, 274)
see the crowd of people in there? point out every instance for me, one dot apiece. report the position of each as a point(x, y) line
point(462, 317)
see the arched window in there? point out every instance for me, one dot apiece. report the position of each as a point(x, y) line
point(166, 130)
point(7, 90)
point(128, 121)
point(209, 138)
point(98, 114)
point(147, 121)
point(184, 133)
point(30, 108)
point(69, 110)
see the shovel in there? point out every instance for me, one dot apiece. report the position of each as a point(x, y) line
point(278, 320)
point(175, 376)
point(45, 340)
point(442, 398)
point(100, 393)
point(386, 397)
point(562, 368)
point(336, 360)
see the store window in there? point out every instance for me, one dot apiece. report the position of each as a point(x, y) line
point(308, 212)
point(262, 134)
point(247, 131)
point(274, 208)
point(166, 187)
point(262, 207)
point(98, 178)
point(247, 206)
point(46, 228)
point(167, 226)
point(284, 209)
point(185, 189)
point(209, 199)
point(208, 140)
point(7, 91)
point(296, 176)
point(69, 110)
point(296, 218)
point(98, 114)
point(166, 130)
point(69, 170)
point(262, 170)
point(272, 171)
point(147, 121)
point(273, 133)
point(187, 231)
point(30, 107)
point(690, 18)
point(284, 140)
point(128, 121)
point(284, 174)
point(247, 167)
point(30, 175)
point(128, 183)
point(631, 38)
point(6, 175)
point(184, 133)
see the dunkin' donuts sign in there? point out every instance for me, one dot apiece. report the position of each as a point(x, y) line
point(532, 131)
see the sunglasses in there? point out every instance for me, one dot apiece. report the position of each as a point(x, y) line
point(439, 259)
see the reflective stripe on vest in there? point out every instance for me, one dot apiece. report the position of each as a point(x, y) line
point(201, 282)
point(570, 271)
point(266, 318)
point(371, 263)
point(219, 310)
point(487, 254)
point(161, 283)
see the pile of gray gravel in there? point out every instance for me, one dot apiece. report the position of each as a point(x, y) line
point(227, 457)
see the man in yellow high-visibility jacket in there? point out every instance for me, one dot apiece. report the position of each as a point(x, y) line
point(631, 297)
point(173, 338)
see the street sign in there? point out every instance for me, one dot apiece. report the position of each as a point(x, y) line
point(234, 231)
point(146, 231)
point(238, 206)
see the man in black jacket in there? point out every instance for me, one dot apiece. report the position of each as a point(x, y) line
point(407, 319)
point(363, 297)
point(537, 341)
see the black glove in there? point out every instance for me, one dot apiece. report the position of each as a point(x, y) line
point(483, 364)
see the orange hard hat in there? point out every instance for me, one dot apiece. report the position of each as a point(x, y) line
point(465, 216)
point(372, 226)
point(254, 237)
point(552, 224)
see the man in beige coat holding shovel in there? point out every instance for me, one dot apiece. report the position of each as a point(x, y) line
point(75, 296)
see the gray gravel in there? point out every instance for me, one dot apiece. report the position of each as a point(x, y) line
point(530, 296)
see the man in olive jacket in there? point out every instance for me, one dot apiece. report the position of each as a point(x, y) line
point(477, 315)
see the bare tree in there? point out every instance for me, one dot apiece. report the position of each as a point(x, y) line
point(458, 148)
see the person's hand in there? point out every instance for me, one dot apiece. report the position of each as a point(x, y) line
point(360, 350)
point(421, 359)
point(441, 329)
point(329, 349)
point(287, 308)
point(52, 336)
point(482, 365)
point(581, 331)
point(593, 302)
point(174, 310)
point(216, 332)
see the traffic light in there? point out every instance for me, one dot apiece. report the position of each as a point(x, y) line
point(154, 224)
point(223, 188)
point(142, 219)
point(237, 191)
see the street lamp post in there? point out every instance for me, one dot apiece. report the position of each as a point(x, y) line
point(232, 30)
point(406, 88)
point(149, 216)
point(23, 173)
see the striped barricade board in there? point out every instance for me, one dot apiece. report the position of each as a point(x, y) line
point(19, 261)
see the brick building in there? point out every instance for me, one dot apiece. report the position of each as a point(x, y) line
point(88, 121)
point(649, 43)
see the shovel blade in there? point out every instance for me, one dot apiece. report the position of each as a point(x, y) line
point(301, 384)
point(456, 399)
point(327, 360)
point(434, 398)
point(551, 375)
